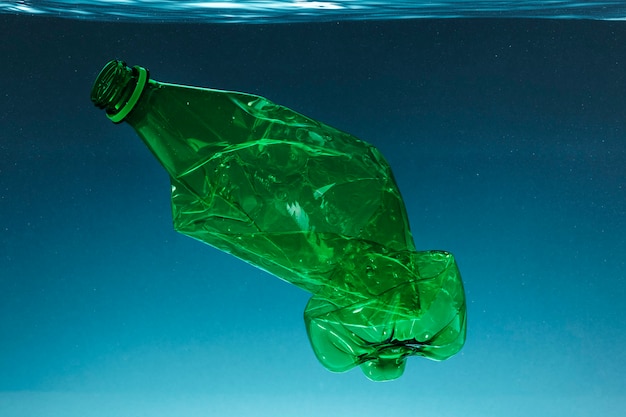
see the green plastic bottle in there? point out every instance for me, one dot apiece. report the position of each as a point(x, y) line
point(305, 202)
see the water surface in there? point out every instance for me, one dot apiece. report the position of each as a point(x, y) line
point(276, 11)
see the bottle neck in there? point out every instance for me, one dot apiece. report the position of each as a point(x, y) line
point(118, 88)
point(128, 95)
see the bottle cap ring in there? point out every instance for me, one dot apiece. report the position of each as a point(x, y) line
point(141, 83)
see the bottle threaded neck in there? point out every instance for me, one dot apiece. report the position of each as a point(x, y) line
point(117, 88)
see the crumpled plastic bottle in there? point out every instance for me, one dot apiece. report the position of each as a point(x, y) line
point(305, 202)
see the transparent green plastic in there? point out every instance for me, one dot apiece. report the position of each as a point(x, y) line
point(305, 202)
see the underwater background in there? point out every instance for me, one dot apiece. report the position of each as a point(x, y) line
point(507, 138)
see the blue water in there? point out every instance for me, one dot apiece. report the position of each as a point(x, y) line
point(508, 141)
point(288, 11)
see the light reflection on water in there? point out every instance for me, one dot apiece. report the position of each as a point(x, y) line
point(285, 11)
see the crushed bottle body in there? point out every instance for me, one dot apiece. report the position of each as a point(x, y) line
point(314, 206)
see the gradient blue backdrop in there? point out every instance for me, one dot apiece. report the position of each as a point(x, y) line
point(508, 141)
